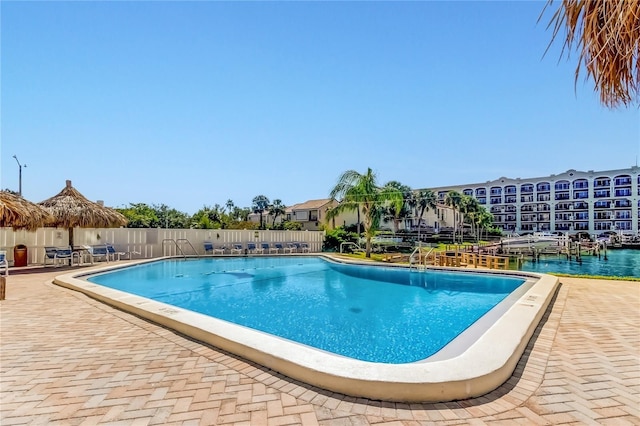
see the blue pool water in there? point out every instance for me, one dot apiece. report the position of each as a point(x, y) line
point(619, 263)
point(378, 314)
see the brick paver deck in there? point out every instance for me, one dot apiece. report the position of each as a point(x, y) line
point(67, 359)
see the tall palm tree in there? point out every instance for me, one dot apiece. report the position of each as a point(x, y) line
point(470, 208)
point(397, 215)
point(259, 204)
point(607, 36)
point(230, 205)
point(453, 199)
point(276, 209)
point(357, 190)
point(484, 221)
point(425, 199)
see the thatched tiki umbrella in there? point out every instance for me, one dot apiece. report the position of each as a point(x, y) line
point(71, 209)
point(606, 34)
point(19, 213)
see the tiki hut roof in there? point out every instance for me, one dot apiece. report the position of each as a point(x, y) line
point(19, 213)
point(71, 209)
point(607, 36)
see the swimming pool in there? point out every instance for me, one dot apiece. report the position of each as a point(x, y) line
point(480, 359)
point(377, 314)
point(618, 263)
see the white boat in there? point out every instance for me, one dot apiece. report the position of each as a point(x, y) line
point(537, 240)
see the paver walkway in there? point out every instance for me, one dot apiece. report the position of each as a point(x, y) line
point(69, 360)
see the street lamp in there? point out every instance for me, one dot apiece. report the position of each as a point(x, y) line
point(19, 175)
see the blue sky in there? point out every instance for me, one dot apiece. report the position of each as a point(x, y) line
point(193, 103)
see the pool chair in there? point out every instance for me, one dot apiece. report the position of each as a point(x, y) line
point(96, 253)
point(4, 264)
point(208, 247)
point(253, 248)
point(59, 255)
point(279, 247)
point(291, 248)
point(304, 248)
point(266, 248)
point(237, 249)
point(117, 255)
point(219, 250)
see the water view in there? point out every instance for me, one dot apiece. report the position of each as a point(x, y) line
point(617, 263)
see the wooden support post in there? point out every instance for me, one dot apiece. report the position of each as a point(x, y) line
point(3, 287)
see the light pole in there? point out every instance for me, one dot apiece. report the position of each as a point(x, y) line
point(19, 175)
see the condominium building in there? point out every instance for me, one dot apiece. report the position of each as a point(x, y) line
point(570, 202)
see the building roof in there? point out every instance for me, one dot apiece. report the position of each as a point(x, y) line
point(310, 205)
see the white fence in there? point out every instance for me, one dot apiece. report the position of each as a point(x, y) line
point(145, 242)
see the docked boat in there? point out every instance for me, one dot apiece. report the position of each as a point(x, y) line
point(537, 240)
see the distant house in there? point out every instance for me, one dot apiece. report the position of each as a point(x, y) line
point(311, 214)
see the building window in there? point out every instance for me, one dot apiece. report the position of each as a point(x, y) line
point(580, 205)
point(481, 192)
point(601, 193)
point(510, 189)
point(580, 184)
point(623, 192)
point(602, 204)
point(623, 203)
point(526, 188)
point(313, 215)
point(602, 181)
point(543, 186)
point(580, 194)
point(562, 185)
point(623, 180)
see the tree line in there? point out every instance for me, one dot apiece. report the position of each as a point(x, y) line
point(227, 216)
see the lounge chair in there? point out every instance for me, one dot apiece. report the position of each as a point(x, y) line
point(304, 248)
point(253, 248)
point(279, 247)
point(59, 255)
point(219, 250)
point(97, 253)
point(291, 248)
point(4, 264)
point(208, 247)
point(117, 255)
point(237, 249)
point(266, 248)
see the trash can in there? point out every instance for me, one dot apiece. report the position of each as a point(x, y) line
point(20, 255)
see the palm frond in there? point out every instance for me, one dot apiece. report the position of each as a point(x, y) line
point(606, 34)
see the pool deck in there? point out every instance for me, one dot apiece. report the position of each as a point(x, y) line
point(68, 359)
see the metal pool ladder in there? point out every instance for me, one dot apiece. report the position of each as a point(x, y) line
point(178, 247)
point(420, 267)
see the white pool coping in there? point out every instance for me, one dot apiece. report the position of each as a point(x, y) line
point(480, 368)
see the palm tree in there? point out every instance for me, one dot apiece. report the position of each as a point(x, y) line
point(470, 208)
point(276, 209)
point(362, 191)
point(230, 205)
point(425, 199)
point(397, 215)
point(259, 204)
point(484, 221)
point(607, 36)
point(453, 199)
